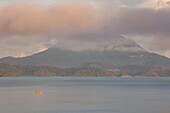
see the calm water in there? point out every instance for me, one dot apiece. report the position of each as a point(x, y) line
point(85, 95)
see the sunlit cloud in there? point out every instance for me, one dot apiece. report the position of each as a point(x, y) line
point(21, 19)
point(31, 28)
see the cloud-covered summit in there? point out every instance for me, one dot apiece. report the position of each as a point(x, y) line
point(26, 27)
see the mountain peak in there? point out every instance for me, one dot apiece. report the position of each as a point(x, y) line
point(118, 51)
point(124, 45)
point(114, 43)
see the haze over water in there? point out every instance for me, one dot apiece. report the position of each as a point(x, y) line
point(85, 95)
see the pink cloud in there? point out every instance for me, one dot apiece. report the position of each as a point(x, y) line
point(33, 19)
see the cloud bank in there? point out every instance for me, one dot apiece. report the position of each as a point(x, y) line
point(25, 19)
point(141, 21)
point(24, 26)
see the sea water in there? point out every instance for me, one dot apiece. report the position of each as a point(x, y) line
point(85, 95)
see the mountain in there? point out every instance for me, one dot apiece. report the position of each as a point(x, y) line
point(122, 57)
point(120, 52)
point(157, 72)
point(121, 44)
point(66, 58)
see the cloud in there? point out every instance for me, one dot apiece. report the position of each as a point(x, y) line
point(26, 19)
point(140, 21)
point(29, 19)
point(28, 28)
point(166, 53)
point(153, 25)
point(155, 4)
point(32, 27)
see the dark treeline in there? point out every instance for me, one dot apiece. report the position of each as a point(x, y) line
point(97, 70)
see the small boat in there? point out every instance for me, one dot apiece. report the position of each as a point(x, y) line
point(38, 93)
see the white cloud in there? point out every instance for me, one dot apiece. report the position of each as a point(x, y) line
point(156, 4)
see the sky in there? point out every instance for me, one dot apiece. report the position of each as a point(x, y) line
point(31, 26)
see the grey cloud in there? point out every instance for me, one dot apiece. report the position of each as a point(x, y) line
point(81, 25)
point(19, 19)
point(140, 21)
point(143, 22)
